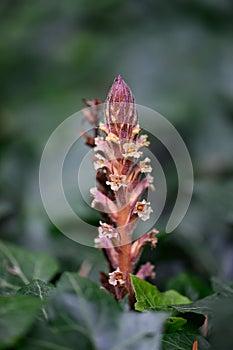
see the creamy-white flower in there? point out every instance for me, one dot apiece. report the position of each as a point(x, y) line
point(99, 161)
point(145, 168)
point(142, 141)
point(107, 231)
point(150, 180)
point(116, 278)
point(117, 181)
point(112, 137)
point(143, 210)
point(131, 150)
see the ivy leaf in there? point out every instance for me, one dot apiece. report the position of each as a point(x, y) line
point(204, 306)
point(184, 341)
point(86, 289)
point(17, 313)
point(83, 316)
point(150, 298)
point(219, 308)
point(19, 267)
point(37, 288)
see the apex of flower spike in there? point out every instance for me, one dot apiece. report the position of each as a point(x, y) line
point(120, 112)
point(120, 92)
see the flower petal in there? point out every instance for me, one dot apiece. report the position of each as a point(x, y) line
point(103, 203)
point(146, 270)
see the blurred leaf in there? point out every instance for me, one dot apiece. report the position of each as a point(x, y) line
point(225, 288)
point(149, 298)
point(174, 323)
point(37, 288)
point(17, 313)
point(219, 308)
point(189, 285)
point(81, 315)
point(221, 324)
point(204, 306)
point(18, 267)
point(183, 341)
point(86, 289)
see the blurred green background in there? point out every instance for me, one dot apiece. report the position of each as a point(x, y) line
point(178, 59)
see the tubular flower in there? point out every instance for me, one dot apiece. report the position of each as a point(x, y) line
point(146, 270)
point(107, 231)
point(145, 168)
point(131, 150)
point(116, 278)
point(117, 181)
point(99, 162)
point(122, 181)
point(143, 210)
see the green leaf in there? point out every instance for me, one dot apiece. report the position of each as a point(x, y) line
point(40, 290)
point(73, 283)
point(19, 267)
point(189, 286)
point(174, 323)
point(37, 288)
point(183, 341)
point(219, 308)
point(225, 288)
point(220, 333)
point(149, 298)
point(87, 291)
point(204, 306)
point(83, 316)
point(17, 313)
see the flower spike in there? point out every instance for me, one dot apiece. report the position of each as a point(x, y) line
point(122, 182)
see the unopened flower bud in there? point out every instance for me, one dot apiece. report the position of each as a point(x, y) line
point(120, 112)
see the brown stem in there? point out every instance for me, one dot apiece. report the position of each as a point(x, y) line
point(125, 252)
point(124, 259)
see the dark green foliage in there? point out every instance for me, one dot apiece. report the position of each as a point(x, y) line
point(37, 288)
point(76, 308)
point(189, 285)
point(18, 267)
point(182, 329)
point(75, 312)
point(17, 314)
point(184, 341)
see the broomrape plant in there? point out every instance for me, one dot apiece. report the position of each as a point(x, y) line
point(123, 180)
